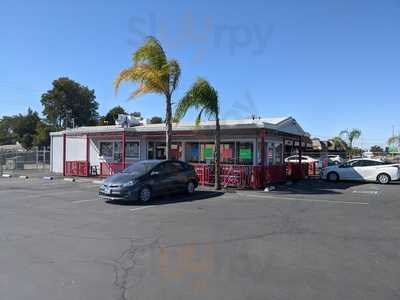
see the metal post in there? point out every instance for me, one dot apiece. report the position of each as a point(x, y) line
point(123, 148)
point(37, 158)
point(64, 151)
point(262, 150)
point(87, 156)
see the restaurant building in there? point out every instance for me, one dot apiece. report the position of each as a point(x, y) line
point(246, 143)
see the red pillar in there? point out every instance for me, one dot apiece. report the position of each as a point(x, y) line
point(64, 151)
point(123, 149)
point(87, 156)
point(263, 176)
point(262, 148)
point(300, 153)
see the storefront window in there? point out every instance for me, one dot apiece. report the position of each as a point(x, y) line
point(244, 152)
point(132, 150)
point(278, 153)
point(106, 149)
point(270, 153)
point(228, 153)
point(192, 152)
point(117, 151)
point(150, 150)
point(160, 151)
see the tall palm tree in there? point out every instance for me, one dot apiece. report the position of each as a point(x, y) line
point(394, 140)
point(154, 73)
point(203, 97)
point(337, 141)
point(350, 135)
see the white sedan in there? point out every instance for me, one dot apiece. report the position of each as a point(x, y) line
point(362, 170)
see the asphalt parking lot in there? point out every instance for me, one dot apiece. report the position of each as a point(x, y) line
point(311, 240)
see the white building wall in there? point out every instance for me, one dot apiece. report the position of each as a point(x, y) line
point(76, 149)
point(56, 155)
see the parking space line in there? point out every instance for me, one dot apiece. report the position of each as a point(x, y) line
point(83, 201)
point(305, 200)
point(140, 208)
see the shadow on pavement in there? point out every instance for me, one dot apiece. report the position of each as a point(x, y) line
point(173, 198)
point(317, 187)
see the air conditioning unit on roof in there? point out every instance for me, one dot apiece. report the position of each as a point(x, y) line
point(127, 121)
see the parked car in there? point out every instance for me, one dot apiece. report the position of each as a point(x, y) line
point(304, 159)
point(362, 170)
point(149, 178)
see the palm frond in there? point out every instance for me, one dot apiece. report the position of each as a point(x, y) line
point(200, 96)
point(394, 140)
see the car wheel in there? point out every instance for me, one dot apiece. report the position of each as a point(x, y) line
point(334, 177)
point(190, 187)
point(383, 178)
point(145, 194)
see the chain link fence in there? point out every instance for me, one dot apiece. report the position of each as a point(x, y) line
point(25, 160)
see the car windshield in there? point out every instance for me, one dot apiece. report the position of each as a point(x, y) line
point(139, 168)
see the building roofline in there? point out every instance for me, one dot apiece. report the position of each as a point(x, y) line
point(266, 123)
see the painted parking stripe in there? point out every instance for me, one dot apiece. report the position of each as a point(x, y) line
point(140, 208)
point(366, 192)
point(83, 201)
point(305, 200)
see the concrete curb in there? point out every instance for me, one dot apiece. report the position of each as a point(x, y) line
point(69, 179)
point(98, 181)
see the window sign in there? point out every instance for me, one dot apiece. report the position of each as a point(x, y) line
point(245, 154)
point(208, 153)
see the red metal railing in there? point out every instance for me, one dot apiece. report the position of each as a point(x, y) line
point(249, 176)
point(76, 168)
point(108, 169)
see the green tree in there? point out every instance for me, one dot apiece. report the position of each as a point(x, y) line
point(112, 116)
point(204, 98)
point(154, 73)
point(24, 128)
point(350, 136)
point(376, 150)
point(156, 120)
point(42, 134)
point(7, 136)
point(69, 103)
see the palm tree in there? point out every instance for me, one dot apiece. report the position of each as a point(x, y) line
point(337, 141)
point(351, 135)
point(155, 74)
point(203, 97)
point(394, 140)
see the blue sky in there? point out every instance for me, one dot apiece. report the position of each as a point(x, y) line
point(331, 65)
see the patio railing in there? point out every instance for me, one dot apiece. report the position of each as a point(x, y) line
point(239, 176)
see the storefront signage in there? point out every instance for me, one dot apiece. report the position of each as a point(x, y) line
point(208, 153)
point(226, 153)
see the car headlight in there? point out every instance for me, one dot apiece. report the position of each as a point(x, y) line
point(129, 184)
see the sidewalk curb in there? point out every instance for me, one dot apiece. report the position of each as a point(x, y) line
point(69, 179)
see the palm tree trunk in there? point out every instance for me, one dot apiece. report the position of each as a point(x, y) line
point(168, 127)
point(217, 154)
